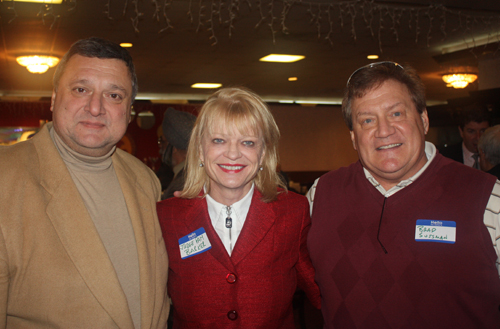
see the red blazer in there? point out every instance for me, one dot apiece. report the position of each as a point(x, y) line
point(254, 287)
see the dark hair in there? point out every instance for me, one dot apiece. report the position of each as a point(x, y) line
point(372, 76)
point(474, 113)
point(100, 48)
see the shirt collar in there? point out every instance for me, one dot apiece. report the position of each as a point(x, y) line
point(466, 152)
point(239, 209)
point(430, 153)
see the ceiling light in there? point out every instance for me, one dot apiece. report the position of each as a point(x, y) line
point(126, 45)
point(317, 102)
point(281, 58)
point(37, 63)
point(206, 85)
point(292, 79)
point(459, 80)
point(372, 56)
point(55, 2)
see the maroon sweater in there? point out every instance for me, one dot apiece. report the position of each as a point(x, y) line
point(415, 284)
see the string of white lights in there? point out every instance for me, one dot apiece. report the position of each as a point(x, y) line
point(379, 19)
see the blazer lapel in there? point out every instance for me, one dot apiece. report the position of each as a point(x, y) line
point(77, 232)
point(259, 221)
point(142, 215)
point(199, 217)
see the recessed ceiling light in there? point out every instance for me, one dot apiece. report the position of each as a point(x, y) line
point(292, 79)
point(372, 56)
point(126, 44)
point(206, 85)
point(281, 58)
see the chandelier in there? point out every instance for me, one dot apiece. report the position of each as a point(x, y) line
point(459, 80)
point(37, 63)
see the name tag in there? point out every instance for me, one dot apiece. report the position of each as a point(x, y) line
point(194, 243)
point(435, 231)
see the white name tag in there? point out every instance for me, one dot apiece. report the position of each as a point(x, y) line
point(194, 243)
point(435, 231)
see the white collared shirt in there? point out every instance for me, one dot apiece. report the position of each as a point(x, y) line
point(218, 214)
point(468, 159)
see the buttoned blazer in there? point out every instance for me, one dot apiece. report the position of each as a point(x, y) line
point(257, 282)
point(54, 269)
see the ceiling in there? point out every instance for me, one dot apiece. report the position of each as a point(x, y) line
point(222, 40)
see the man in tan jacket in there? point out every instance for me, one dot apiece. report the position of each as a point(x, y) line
point(80, 244)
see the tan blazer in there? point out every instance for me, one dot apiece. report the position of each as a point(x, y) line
point(54, 269)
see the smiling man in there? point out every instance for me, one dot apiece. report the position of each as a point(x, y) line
point(80, 243)
point(397, 240)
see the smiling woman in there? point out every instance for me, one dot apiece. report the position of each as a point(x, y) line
point(238, 123)
point(236, 241)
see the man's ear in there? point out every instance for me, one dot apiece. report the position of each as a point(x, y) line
point(52, 100)
point(130, 113)
point(461, 132)
point(353, 139)
point(425, 121)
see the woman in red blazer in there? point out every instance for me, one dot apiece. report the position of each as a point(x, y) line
point(236, 241)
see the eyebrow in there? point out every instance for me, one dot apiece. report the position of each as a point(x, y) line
point(388, 109)
point(116, 87)
point(111, 87)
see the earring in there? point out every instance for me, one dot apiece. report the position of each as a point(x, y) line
point(261, 168)
point(202, 164)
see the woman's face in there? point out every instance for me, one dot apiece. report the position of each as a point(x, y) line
point(231, 160)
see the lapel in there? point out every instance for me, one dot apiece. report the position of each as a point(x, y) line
point(140, 206)
point(259, 221)
point(77, 232)
point(198, 217)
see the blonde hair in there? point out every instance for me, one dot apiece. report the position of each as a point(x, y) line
point(241, 109)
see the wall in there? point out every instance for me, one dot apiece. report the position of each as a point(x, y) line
point(313, 138)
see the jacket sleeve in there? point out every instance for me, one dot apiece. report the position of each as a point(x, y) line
point(4, 282)
point(305, 270)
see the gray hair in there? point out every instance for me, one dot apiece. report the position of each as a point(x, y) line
point(489, 143)
point(100, 48)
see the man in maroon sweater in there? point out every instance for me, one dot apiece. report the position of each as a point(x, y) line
point(403, 238)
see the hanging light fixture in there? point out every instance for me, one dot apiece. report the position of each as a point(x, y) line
point(37, 63)
point(459, 80)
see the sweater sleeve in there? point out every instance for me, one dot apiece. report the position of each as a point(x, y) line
point(492, 220)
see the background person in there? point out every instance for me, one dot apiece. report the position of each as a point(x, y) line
point(473, 122)
point(489, 151)
point(177, 127)
point(80, 244)
point(164, 173)
point(397, 240)
point(237, 242)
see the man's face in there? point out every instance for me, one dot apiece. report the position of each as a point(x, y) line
point(389, 133)
point(471, 133)
point(91, 104)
